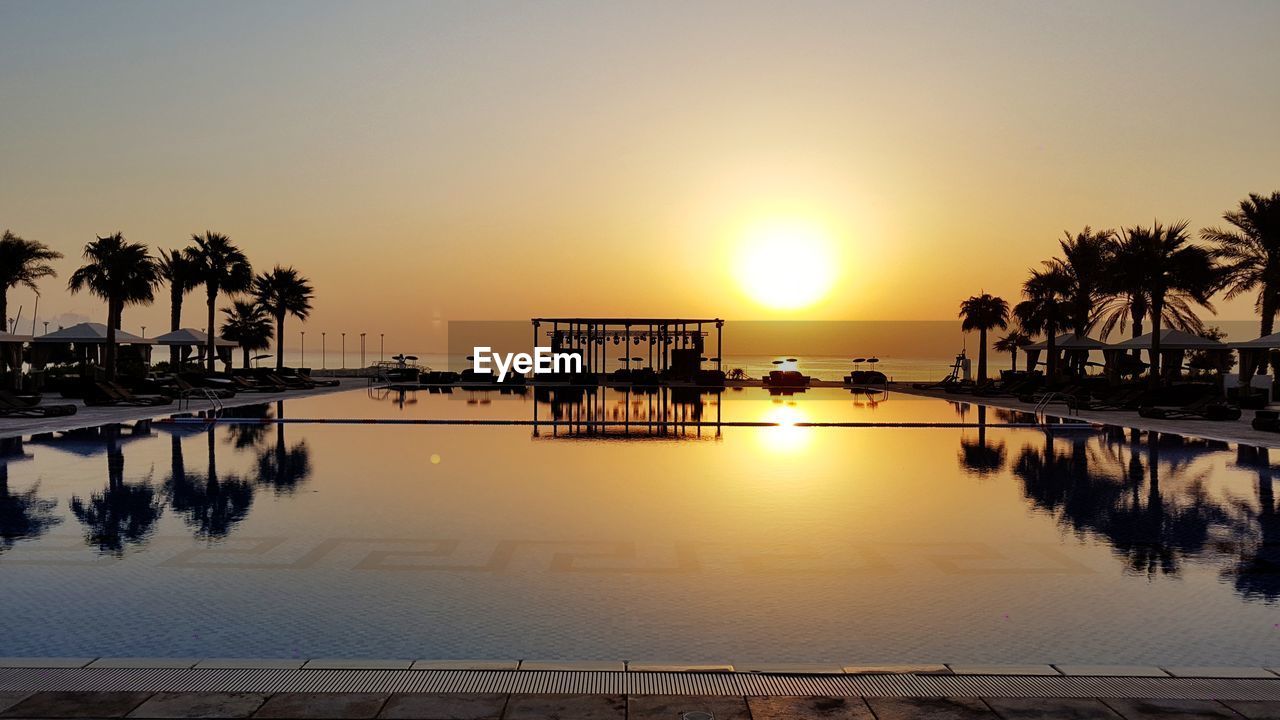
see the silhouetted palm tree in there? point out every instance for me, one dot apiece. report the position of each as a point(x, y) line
point(124, 512)
point(1251, 255)
point(1012, 342)
point(222, 267)
point(1045, 309)
point(121, 273)
point(982, 313)
point(1084, 263)
point(182, 273)
point(22, 262)
point(283, 292)
point(23, 515)
point(249, 325)
point(1173, 266)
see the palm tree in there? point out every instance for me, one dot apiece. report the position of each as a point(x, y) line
point(1011, 343)
point(22, 262)
point(1085, 260)
point(1046, 309)
point(179, 269)
point(281, 292)
point(249, 325)
point(1127, 300)
point(222, 267)
point(1251, 255)
point(982, 313)
point(121, 273)
point(1174, 267)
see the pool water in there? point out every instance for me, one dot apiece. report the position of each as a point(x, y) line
point(980, 544)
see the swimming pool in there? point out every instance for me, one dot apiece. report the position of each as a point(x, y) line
point(980, 544)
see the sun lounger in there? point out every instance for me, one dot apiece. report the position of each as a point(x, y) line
point(1206, 408)
point(22, 406)
point(108, 393)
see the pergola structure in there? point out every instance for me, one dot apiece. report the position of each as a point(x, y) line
point(673, 345)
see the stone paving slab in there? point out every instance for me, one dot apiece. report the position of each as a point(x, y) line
point(445, 706)
point(1151, 709)
point(1112, 670)
point(250, 664)
point(9, 699)
point(932, 708)
point(76, 705)
point(1003, 670)
point(1051, 709)
point(564, 707)
point(200, 705)
point(341, 664)
point(1255, 710)
point(491, 665)
point(1219, 672)
point(144, 663)
point(575, 665)
point(653, 666)
point(778, 707)
point(688, 707)
point(897, 670)
point(44, 662)
point(322, 705)
point(792, 668)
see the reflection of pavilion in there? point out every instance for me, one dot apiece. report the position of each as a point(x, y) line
point(624, 413)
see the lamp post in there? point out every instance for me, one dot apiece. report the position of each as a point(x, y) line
point(144, 331)
point(362, 351)
point(344, 351)
point(322, 353)
point(382, 341)
point(303, 361)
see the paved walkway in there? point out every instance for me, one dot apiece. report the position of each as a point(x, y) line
point(94, 416)
point(481, 706)
point(1238, 431)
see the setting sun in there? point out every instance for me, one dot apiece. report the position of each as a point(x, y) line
point(786, 265)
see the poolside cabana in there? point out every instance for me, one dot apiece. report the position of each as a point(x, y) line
point(1174, 345)
point(87, 340)
point(673, 346)
point(1074, 349)
point(187, 339)
point(1253, 355)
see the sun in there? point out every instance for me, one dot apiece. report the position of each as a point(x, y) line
point(787, 264)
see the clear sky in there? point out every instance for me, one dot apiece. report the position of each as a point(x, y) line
point(482, 160)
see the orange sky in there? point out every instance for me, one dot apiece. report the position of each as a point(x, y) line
point(497, 161)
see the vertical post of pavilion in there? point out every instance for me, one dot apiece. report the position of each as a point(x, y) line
point(719, 348)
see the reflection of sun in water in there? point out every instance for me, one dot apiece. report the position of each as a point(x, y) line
point(787, 264)
point(786, 437)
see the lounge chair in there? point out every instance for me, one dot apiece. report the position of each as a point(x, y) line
point(1209, 407)
point(23, 406)
point(786, 379)
point(109, 393)
point(181, 388)
point(1266, 420)
point(1122, 399)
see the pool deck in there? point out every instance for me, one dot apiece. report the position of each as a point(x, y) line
point(104, 415)
point(1236, 431)
point(360, 689)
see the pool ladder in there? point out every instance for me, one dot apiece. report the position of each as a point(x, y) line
point(1042, 418)
point(215, 402)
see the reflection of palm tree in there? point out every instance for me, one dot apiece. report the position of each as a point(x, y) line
point(978, 456)
point(123, 513)
point(212, 505)
point(23, 515)
point(283, 468)
point(1257, 573)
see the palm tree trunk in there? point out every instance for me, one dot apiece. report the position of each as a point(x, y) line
point(246, 356)
point(1013, 356)
point(1138, 312)
point(4, 308)
point(1051, 362)
point(175, 322)
point(1157, 309)
point(280, 341)
point(213, 302)
point(113, 322)
point(982, 356)
point(1266, 327)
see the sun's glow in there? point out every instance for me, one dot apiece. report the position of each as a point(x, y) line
point(787, 264)
point(786, 436)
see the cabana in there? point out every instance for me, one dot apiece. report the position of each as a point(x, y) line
point(1075, 349)
point(1174, 345)
point(84, 343)
point(1253, 355)
point(187, 338)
